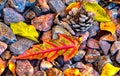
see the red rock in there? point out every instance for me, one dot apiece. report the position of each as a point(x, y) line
point(44, 22)
point(3, 47)
point(105, 46)
point(92, 43)
point(47, 35)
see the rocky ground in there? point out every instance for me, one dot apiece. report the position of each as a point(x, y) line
point(97, 48)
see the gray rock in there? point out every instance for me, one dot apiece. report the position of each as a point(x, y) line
point(2, 4)
point(6, 34)
point(58, 29)
point(92, 43)
point(20, 46)
point(118, 57)
point(79, 55)
point(105, 46)
point(115, 47)
point(23, 67)
point(3, 47)
point(11, 15)
point(56, 5)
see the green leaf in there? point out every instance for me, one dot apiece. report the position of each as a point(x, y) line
point(24, 30)
point(100, 13)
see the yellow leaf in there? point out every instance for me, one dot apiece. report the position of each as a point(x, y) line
point(72, 72)
point(108, 26)
point(11, 66)
point(2, 66)
point(73, 5)
point(109, 70)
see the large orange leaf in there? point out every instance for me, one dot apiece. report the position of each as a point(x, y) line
point(108, 26)
point(51, 49)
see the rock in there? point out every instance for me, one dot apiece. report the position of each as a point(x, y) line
point(108, 37)
point(40, 73)
point(6, 55)
point(20, 46)
point(23, 67)
point(2, 4)
point(37, 11)
point(105, 46)
point(60, 60)
point(92, 43)
point(79, 65)
point(115, 47)
point(11, 15)
point(19, 5)
point(56, 64)
point(102, 61)
point(45, 65)
point(44, 22)
point(6, 34)
point(30, 2)
point(57, 6)
point(47, 35)
point(79, 55)
point(54, 72)
point(118, 57)
point(83, 45)
point(92, 55)
point(43, 5)
point(66, 66)
point(58, 29)
point(3, 47)
point(67, 2)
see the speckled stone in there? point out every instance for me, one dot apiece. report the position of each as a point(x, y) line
point(6, 34)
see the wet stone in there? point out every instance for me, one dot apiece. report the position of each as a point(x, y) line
point(56, 5)
point(20, 46)
point(19, 5)
point(79, 55)
point(54, 72)
point(44, 22)
point(6, 34)
point(115, 47)
point(92, 55)
point(105, 46)
point(3, 47)
point(92, 43)
point(58, 29)
point(23, 67)
point(45, 65)
point(11, 15)
point(118, 57)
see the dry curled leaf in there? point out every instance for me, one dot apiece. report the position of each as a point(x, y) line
point(11, 66)
point(51, 49)
point(27, 31)
point(109, 70)
point(73, 5)
point(100, 13)
point(72, 72)
point(108, 26)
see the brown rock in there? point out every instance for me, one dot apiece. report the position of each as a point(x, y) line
point(44, 22)
point(105, 46)
point(53, 72)
point(6, 55)
point(118, 57)
point(23, 67)
point(115, 47)
point(47, 35)
point(3, 47)
point(92, 43)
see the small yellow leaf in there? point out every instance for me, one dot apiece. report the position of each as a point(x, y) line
point(2, 66)
point(72, 72)
point(73, 5)
point(11, 66)
point(109, 70)
point(108, 26)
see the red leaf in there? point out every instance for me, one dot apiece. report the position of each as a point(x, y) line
point(51, 49)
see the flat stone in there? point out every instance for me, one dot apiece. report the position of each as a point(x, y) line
point(23, 67)
point(92, 43)
point(44, 22)
point(118, 57)
point(11, 15)
point(58, 29)
point(105, 46)
point(57, 5)
point(6, 34)
point(20, 46)
point(3, 47)
point(115, 47)
point(19, 5)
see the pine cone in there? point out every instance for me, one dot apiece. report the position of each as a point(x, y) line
point(80, 20)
